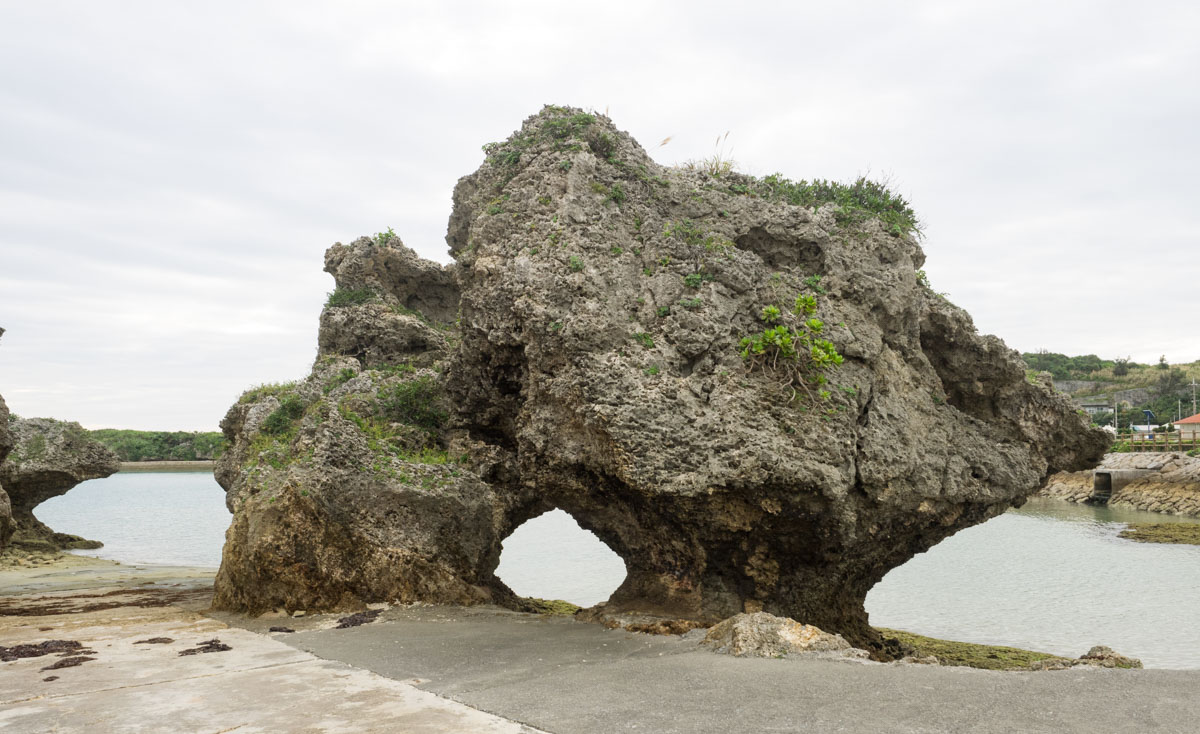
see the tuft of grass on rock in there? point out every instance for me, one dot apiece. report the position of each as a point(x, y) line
point(949, 652)
point(340, 297)
point(1183, 533)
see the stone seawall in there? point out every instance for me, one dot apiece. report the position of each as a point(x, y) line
point(1173, 487)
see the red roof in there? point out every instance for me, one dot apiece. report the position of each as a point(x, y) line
point(1193, 419)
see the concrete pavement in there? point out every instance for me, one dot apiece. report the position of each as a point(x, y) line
point(573, 678)
point(259, 685)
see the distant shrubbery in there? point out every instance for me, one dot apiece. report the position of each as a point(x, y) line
point(1075, 368)
point(161, 445)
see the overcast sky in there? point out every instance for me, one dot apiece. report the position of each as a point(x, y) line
point(171, 173)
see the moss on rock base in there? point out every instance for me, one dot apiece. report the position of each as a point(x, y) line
point(1184, 533)
point(949, 652)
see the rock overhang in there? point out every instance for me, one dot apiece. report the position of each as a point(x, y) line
point(595, 364)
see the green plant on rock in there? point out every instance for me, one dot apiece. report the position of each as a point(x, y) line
point(414, 402)
point(798, 356)
point(855, 202)
point(279, 422)
point(814, 282)
point(923, 281)
point(770, 314)
point(340, 297)
point(617, 194)
point(575, 264)
point(382, 238)
point(558, 128)
point(346, 374)
point(685, 231)
point(644, 339)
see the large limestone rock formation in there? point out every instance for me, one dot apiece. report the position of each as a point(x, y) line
point(346, 487)
point(48, 459)
point(597, 366)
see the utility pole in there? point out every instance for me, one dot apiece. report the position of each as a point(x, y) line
point(1194, 396)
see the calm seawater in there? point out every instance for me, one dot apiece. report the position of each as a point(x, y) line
point(1050, 576)
point(167, 518)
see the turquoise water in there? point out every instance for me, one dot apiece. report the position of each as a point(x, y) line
point(1050, 576)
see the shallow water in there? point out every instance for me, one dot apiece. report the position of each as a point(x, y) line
point(1050, 576)
point(167, 518)
point(1055, 577)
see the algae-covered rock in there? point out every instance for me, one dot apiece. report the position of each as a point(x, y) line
point(743, 386)
point(49, 457)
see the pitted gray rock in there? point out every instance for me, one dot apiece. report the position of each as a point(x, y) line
point(7, 525)
point(49, 457)
point(596, 365)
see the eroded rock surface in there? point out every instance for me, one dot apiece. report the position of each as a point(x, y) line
point(346, 487)
point(763, 635)
point(1097, 657)
point(7, 525)
point(48, 458)
point(597, 367)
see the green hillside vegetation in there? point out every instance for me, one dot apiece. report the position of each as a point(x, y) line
point(161, 445)
point(1167, 385)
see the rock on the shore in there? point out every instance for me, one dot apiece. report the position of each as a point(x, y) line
point(595, 366)
point(49, 457)
point(344, 486)
point(7, 524)
point(764, 635)
point(1098, 657)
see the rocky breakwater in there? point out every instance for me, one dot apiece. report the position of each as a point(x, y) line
point(742, 386)
point(1157, 482)
point(48, 458)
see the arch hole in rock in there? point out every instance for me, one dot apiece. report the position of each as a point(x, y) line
point(551, 557)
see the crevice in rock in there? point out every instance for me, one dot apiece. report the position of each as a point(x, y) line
point(777, 251)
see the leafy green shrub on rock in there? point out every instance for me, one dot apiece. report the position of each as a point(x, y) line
point(279, 422)
point(414, 402)
point(797, 355)
point(350, 297)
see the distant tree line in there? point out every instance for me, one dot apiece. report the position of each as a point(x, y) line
point(1063, 367)
point(1169, 387)
point(161, 445)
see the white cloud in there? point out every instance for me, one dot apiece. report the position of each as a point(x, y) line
point(170, 175)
